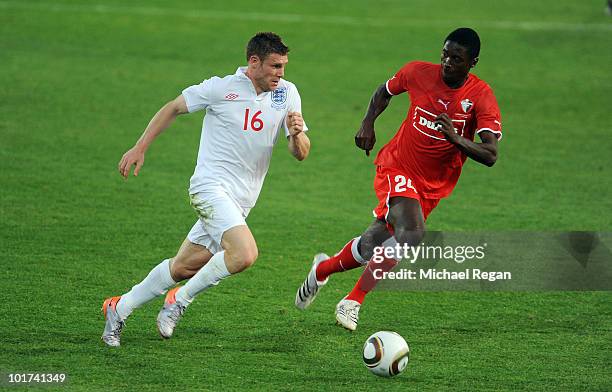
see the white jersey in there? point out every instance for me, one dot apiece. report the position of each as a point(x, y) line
point(238, 133)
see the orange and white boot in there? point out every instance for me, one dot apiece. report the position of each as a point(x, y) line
point(170, 314)
point(114, 323)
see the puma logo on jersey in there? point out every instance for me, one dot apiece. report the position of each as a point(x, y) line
point(445, 104)
point(231, 96)
point(410, 186)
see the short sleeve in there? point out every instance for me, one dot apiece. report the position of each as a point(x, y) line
point(200, 96)
point(401, 81)
point(488, 116)
point(294, 104)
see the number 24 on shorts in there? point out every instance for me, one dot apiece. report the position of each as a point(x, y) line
point(402, 185)
point(256, 123)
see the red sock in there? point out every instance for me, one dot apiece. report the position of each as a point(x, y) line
point(367, 281)
point(343, 261)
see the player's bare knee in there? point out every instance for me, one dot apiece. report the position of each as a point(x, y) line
point(241, 259)
point(411, 236)
point(249, 256)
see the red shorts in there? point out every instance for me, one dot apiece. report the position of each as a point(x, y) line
point(390, 183)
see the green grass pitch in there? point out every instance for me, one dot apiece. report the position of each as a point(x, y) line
point(78, 82)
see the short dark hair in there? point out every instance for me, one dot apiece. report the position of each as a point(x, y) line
point(263, 44)
point(467, 38)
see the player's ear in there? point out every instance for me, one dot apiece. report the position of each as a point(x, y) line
point(254, 59)
point(474, 62)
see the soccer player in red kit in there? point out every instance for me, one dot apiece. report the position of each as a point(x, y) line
point(419, 166)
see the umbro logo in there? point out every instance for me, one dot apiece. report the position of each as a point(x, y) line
point(231, 96)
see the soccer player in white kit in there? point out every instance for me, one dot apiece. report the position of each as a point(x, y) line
point(244, 114)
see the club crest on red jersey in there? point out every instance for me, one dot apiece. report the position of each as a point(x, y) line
point(466, 105)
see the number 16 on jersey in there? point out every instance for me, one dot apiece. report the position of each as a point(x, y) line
point(255, 122)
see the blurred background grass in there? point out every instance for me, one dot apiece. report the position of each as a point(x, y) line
point(80, 80)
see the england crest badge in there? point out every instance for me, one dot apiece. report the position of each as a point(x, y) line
point(279, 98)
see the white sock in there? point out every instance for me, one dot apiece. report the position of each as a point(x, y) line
point(391, 243)
point(155, 284)
point(355, 251)
point(208, 276)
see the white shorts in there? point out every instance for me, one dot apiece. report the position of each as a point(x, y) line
point(217, 212)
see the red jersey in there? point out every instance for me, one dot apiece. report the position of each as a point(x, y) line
point(418, 148)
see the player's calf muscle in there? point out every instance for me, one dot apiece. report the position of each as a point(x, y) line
point(374, 236)
point(181, 270)
point(367, 243)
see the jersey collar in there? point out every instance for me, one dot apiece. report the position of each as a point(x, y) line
point(447, 87)
point(241, 74)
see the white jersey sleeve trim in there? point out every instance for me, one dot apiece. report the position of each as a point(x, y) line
point(190, 106)
point(387, 87)
point(497, 134)
point(199, 96)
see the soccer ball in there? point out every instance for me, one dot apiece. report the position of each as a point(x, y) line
point(386, 354)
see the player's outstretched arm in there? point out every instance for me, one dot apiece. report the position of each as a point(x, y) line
point(366, 136)
point(162, 120)
point(299, 144)
point(485, 152)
